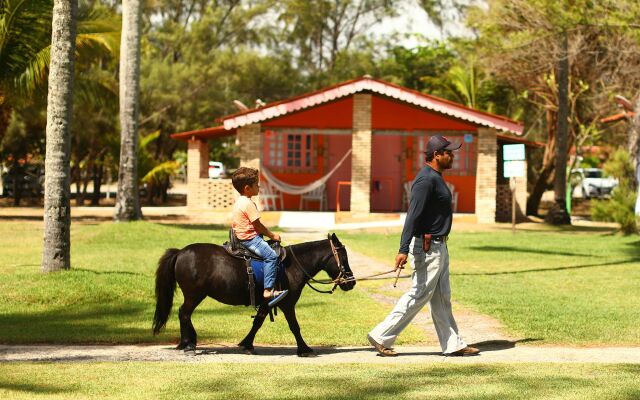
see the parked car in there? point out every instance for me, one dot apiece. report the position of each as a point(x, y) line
point(216, 170)
point(593, 183)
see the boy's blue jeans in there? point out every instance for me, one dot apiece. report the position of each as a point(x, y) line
point(262, 249)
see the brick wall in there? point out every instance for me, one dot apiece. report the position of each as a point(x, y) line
point(361, 155)
point(486, 171)
point(197, 168)
point(212, 194)
point(250, 141)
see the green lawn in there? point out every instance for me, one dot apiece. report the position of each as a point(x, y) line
point(336, 381)
point(560, 288)
point(108, 297)
point(567, 288)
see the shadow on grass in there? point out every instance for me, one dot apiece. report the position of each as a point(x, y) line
point(480, 382)
point(534, 251)
point(524, 271)
point(633, 248)
point(92, 323)
point(497, 345)
point(35, 388)
point(109, 272)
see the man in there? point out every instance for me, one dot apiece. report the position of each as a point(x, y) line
point(425, 232)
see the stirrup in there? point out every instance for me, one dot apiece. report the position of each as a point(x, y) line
point(278, 298)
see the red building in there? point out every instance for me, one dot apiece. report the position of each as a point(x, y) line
point(300, 140)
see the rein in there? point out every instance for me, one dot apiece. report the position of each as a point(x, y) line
point(342, 276)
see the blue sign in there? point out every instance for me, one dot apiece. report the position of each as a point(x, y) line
point(468, 138)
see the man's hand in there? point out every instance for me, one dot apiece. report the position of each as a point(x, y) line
point(276, 237)
point(401, 260)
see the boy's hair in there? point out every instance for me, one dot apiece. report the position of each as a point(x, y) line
point(244, 176)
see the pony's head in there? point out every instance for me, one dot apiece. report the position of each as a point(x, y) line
point(338, 266)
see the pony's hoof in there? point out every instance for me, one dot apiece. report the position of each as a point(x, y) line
point(308, 353)
point(181, 346)
point(190, 350)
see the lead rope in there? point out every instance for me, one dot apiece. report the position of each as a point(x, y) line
point(340, 279)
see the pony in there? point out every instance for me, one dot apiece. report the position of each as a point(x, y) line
point(204, 269)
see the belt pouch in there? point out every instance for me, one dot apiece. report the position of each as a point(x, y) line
point(426, 242)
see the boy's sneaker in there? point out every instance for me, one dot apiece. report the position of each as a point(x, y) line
point(277, 298)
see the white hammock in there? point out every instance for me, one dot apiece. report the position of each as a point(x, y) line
point(294, 189)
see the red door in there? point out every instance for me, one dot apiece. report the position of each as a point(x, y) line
point(386, 173)
point(338, 145)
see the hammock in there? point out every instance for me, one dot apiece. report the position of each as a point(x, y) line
point(294, 189)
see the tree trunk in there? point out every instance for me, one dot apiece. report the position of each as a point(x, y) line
point(127, 198)
point(57, 214)
point(634, 153)
point(98, 173)
point(548, 166)
point(558, 214)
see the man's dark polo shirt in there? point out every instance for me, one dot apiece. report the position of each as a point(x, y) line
point(429, 208)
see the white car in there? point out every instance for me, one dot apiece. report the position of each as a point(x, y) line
point(216, 170)
point(593, 183)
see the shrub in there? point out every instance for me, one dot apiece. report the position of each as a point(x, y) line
point(620, 207)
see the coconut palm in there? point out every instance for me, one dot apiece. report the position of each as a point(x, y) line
point(41, 39)
point(57, 213)
point(127, 198)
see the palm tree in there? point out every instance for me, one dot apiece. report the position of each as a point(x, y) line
point(127, 199)
point(39, 38)
point(57, 213)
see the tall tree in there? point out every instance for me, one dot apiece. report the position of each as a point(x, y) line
point(521, 44)
point(634, 153)
point(558, 214)
point(127, 198)
point(57, 213)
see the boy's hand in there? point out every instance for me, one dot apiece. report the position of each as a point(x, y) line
point(276, 237)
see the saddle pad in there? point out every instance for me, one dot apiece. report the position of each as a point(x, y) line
point(258, 271)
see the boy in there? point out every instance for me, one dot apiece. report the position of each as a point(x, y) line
point(248, 229)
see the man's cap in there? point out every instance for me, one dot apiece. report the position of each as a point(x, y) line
point(439, 143)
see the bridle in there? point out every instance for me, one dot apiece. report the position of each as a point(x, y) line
point(342, 277)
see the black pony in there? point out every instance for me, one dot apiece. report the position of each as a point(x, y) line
point(203, 269)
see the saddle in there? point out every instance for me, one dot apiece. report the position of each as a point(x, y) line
point(235, 248)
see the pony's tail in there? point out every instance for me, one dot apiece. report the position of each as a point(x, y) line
point(165, 286)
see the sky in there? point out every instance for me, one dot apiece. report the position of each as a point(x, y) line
point(412, 20)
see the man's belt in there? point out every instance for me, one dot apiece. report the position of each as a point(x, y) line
point(441, 238)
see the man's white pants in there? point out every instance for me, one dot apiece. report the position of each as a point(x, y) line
point(430, 285)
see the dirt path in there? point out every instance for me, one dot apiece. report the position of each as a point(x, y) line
point(497, 352)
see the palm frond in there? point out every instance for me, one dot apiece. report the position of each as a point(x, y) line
point(34, 74)
point(98, 87)
point(161, 172)
point(146, 140)
point(25, 42)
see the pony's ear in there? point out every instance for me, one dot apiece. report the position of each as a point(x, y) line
point(334, 239)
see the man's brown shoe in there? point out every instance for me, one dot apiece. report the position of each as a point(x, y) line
point(383, 351)
point(467, 351)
